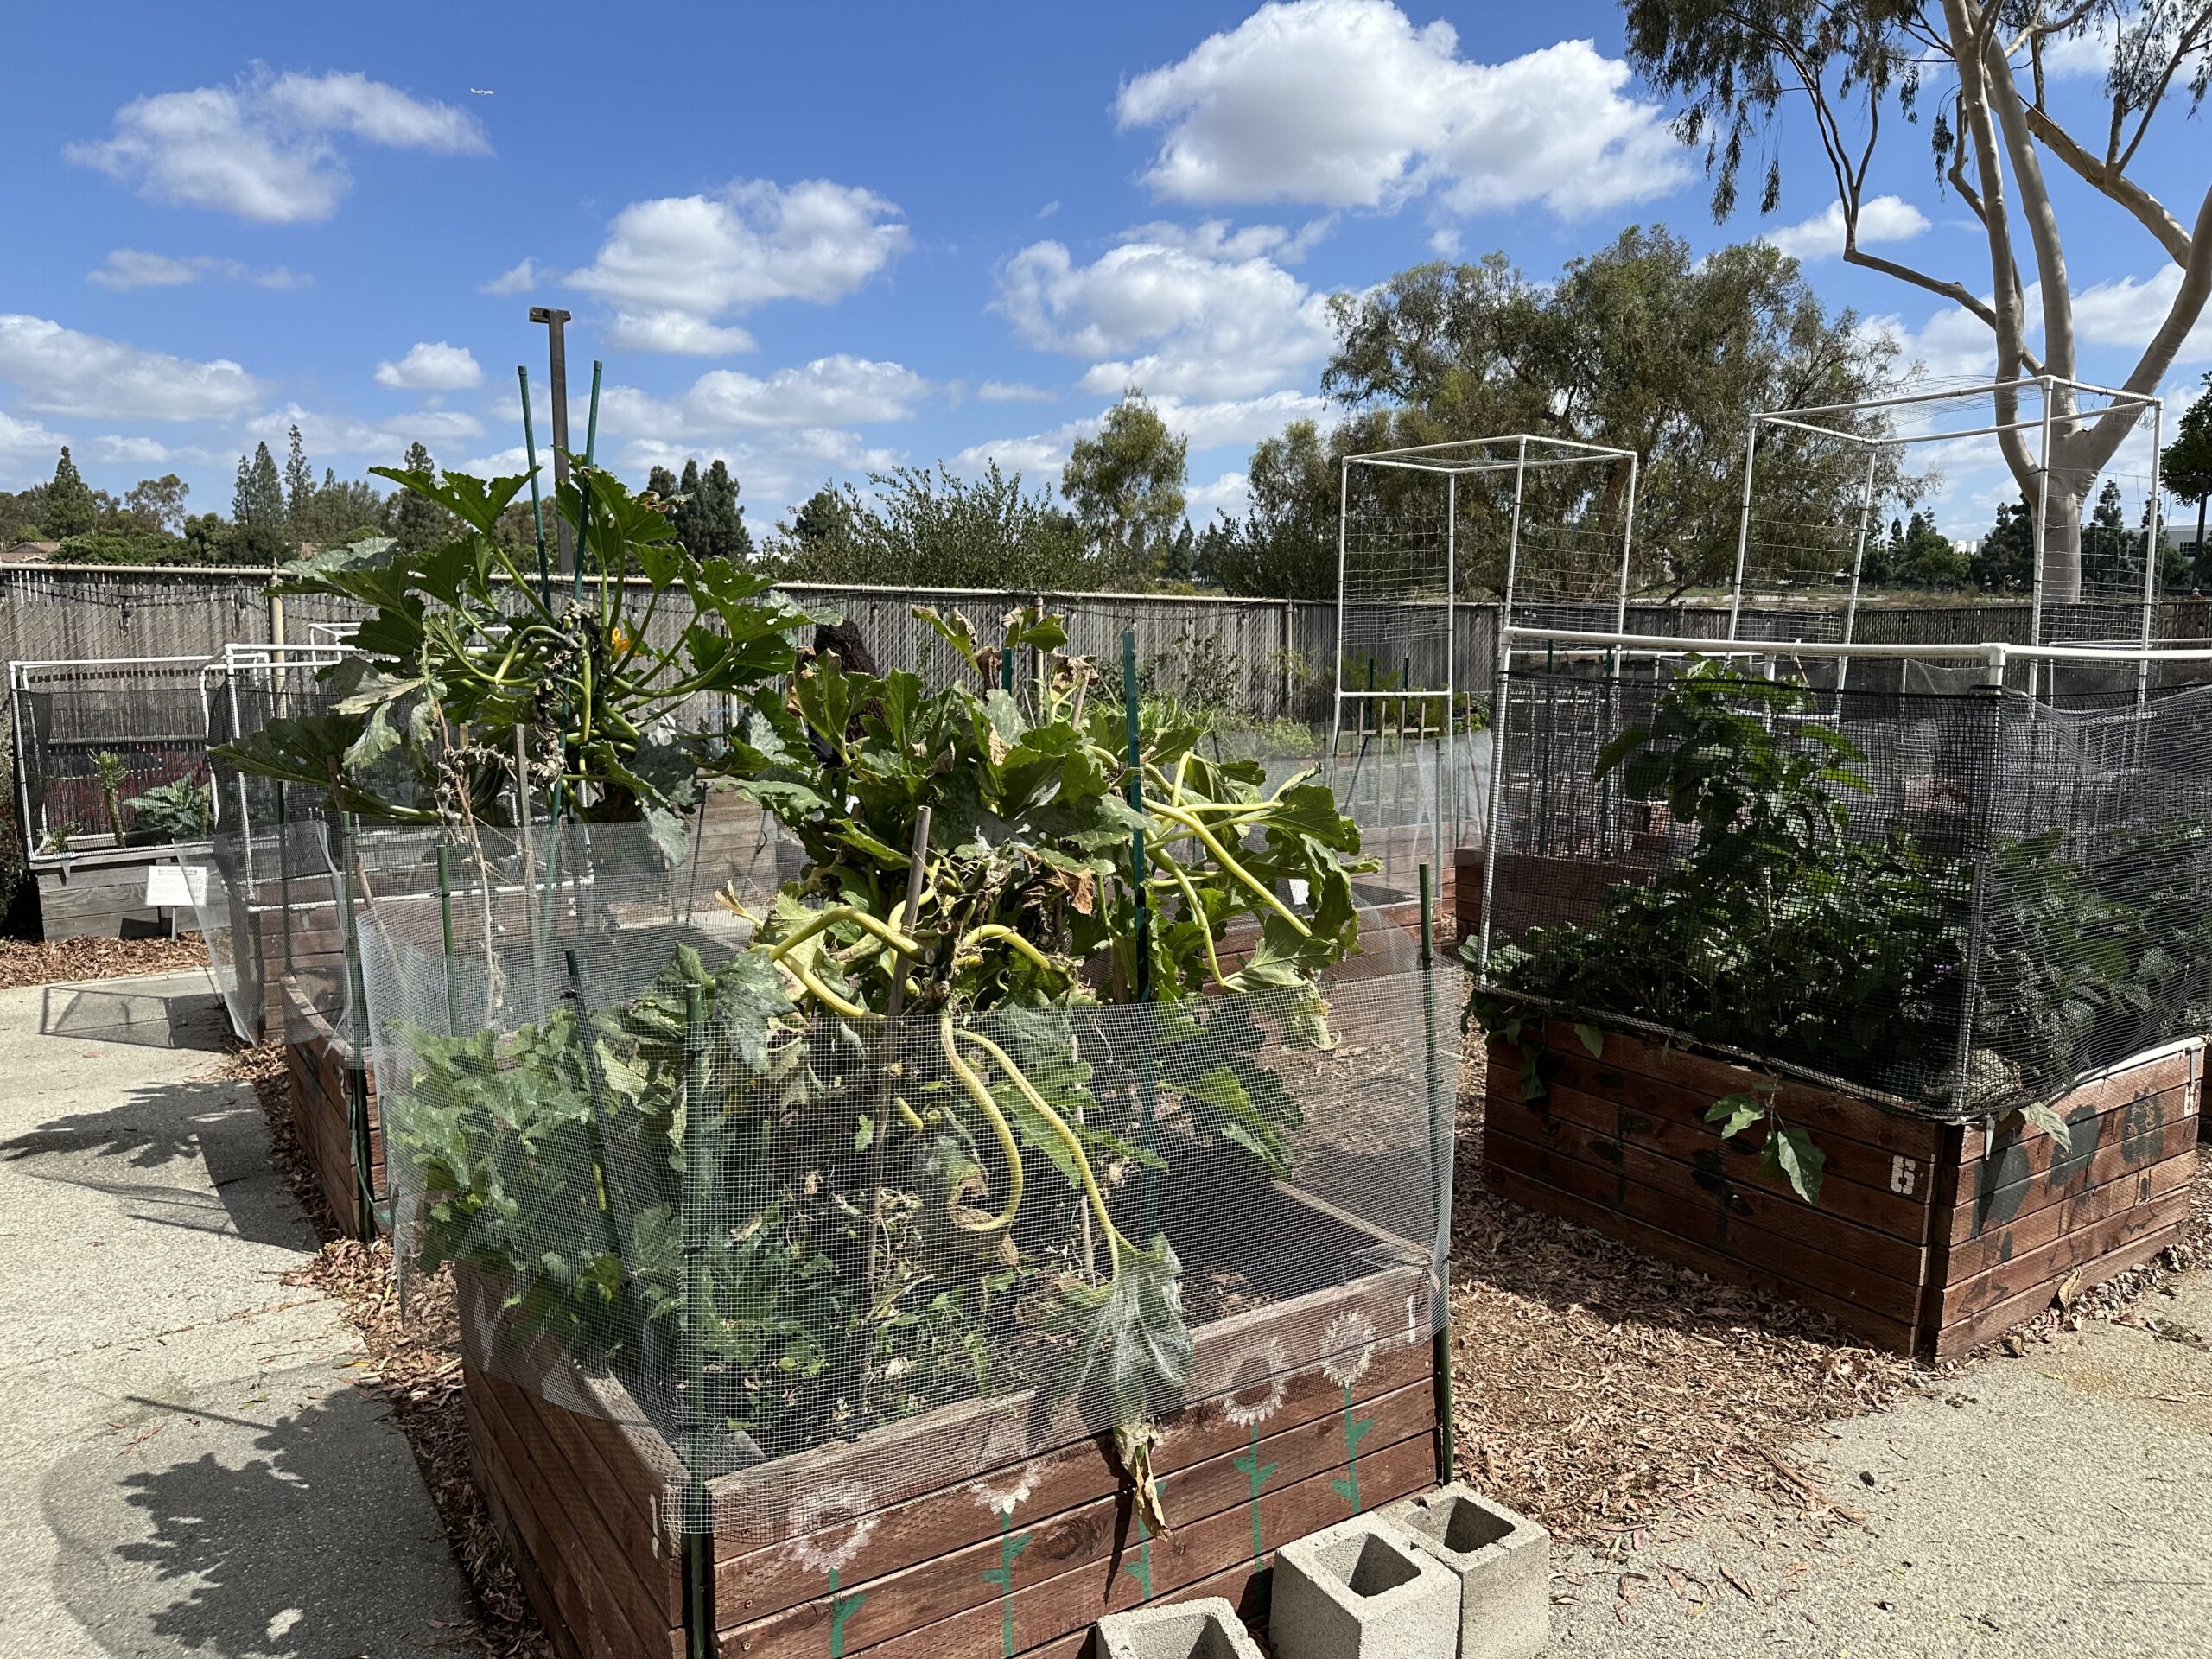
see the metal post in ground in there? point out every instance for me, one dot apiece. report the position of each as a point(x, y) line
point(1443, 1149)
point(556, 385)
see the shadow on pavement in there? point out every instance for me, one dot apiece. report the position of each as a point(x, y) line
point(143, 1016)
point(260, 1530)
point(172, 1126)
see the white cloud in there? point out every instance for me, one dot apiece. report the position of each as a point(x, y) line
point(704, 258)
point(831, 390)
point(26, 437)
point(2126, 313)
point(62, 372)
point(679, 332)
point(1204, 312)
point(262, 147)
point(1206, 425)
point(432, 365)
point(518, 278)
point(1346, 104)
point(1228, 494)
point(2085, 54)
point(1013, 392)
point(1881, 219)
point(140, 451)
point(128, 268)
point(323, 432)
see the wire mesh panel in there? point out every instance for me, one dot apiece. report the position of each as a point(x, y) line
point(1959, 899)
point(93, 737)
point(943, 1245)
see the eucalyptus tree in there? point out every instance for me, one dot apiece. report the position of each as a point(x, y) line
point(1859, 68)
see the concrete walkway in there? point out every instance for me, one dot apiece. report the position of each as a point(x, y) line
point(185, 1468)
point(2056, 1504)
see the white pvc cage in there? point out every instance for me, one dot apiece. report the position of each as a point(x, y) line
point(1542, 524)
point(2089, 581)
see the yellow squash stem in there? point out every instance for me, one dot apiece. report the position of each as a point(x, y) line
point(890, 935)
point(1176, 815)
point(820, 992)
point(1198, 912)
point(981, 1097)
point(1053, 1121)
point(998, 931)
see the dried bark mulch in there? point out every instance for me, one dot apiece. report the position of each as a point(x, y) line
point(1619, 1400)
point(414, 1368)
point(50, 962)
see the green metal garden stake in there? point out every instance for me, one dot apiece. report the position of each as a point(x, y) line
point(356, 1070)
point(1443, 1149)
point(583, 495)
point(444, 925)
point(537, 500)
point(1132, 724)
point(697, 1522)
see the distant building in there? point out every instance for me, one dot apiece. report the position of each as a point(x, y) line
point(29, 552)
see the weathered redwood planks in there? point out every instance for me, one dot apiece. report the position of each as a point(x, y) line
point(1929, 1239)
point(317, 1065)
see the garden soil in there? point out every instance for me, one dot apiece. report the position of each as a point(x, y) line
point(187, 1465)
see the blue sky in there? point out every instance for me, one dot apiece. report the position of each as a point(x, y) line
point(816, 240)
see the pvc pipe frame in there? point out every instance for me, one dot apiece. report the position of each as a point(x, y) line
point(1990, 652)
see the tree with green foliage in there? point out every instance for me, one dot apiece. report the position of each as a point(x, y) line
point(258, 497)
point(21, 515)
point(1125, 486)
point(917, 528)
point(660, 482)
point(339, 510)
point(158, 503)
point(69, 508)
point(720, 517)
point(418, 523)
point(1286, 545)
point(2005, 562)
point(1854, 63)
point(299, 485)
point(2109, 550)
point(1917, 554)
point(2185, 469)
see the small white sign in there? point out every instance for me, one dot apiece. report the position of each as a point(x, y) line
point(176, 887)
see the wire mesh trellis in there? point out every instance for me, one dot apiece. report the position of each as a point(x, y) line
point(2089, 559)
point(755, 1238)
point(1959, 897)
point(91, 735)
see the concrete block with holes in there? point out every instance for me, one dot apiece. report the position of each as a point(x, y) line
point(1362, 1589)
point(1207, 1629)
point(1501, 1560)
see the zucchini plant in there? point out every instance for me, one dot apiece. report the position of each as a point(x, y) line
point(940, 1129)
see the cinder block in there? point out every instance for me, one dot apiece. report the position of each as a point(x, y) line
point(1207, 1629)
point(1362, 1589)
point(1501, 1560)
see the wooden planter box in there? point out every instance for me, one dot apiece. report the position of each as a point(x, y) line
point(1928, 1239)
point(101, 893)
point(320, 1065)
point(1569, 888)
point(977, 1529)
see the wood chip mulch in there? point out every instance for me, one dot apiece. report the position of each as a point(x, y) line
point(51, 961)
point(414, 1369)
point(1619, 1400)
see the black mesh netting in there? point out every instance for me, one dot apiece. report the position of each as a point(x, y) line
point(1962, 899)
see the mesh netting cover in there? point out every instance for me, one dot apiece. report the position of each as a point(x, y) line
point(757, 1237)
point(1958, 901)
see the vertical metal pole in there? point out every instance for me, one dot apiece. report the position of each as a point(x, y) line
point(698, 1523)
point(1501, 708)
point(1443, 1149)
point(1743, 528)
point(1134, 727)
point(557, 388)
point(283, 888)
point(1447, 803)
point(536, 496)
point(1289, 648)
point(1628, 550)
point(1858, 562)
point(1344, 506)
point(2042, 529)
point(2152, 550)
point(591, 447)
point(1513, 535)
point(357, 1073)
point(444, 925)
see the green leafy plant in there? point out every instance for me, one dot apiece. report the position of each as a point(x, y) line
point(182, 809)
point(112, 772)
point(932, 1132)
point(469, 686)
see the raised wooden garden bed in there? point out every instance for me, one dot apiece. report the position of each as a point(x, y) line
point(1927, 1239)
point(977, 1529)
point(1572, 888)
point(335, 1109)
